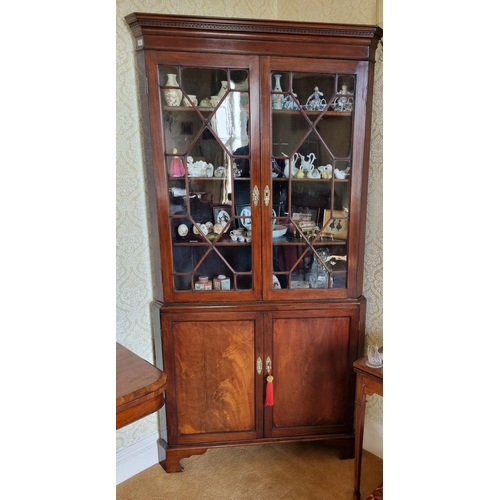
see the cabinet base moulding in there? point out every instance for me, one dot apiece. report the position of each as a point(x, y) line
point(170, 456)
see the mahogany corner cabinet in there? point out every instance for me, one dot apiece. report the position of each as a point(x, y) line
point(256, 136)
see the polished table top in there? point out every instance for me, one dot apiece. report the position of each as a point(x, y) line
point(361, 366)
point(140, 387)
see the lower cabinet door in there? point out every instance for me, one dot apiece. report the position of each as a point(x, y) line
point(214, 392)
point(311, 353)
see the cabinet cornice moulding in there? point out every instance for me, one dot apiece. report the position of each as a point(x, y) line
point(148, 26)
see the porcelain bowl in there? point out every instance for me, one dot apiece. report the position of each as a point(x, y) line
point(279, 231)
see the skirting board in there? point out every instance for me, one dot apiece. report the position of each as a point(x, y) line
point(136, 458)
point(144, 454)
point(373, 438)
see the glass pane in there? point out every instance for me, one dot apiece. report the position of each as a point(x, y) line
point(207, 162)
point(311, 124)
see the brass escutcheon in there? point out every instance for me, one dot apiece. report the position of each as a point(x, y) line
point(269, 366)
point(267, 195)
point(259, 365)
point(255, 195)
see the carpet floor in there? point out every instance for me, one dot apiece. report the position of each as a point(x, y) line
point(294, 471)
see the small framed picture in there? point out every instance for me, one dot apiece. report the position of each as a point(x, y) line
point(245, 212)
point(187, 128)
point(335, 224)
point(222, 215)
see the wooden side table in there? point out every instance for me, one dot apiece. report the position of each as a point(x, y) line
point(368, 381)
point(140, 387)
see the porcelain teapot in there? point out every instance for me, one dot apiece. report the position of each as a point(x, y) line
point(307, 164)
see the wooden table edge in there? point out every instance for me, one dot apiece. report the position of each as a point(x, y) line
point(143, 400)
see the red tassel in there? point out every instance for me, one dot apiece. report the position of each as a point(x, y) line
point(269, 391)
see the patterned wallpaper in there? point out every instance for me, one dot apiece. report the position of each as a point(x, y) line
point(134, 284)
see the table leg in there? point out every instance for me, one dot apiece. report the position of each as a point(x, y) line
point(358, 433)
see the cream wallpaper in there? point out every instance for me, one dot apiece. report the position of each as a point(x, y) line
point(134, 284)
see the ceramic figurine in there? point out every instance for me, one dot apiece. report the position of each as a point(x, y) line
point(286, 170)
point(199, 168)
point(313, 173)
point(344, 90)
point(290, 103)
point(343, 103)
point(325, 171)
point(220, 172)
point(315, 101)
point(177, 167)
point(291, 170)
point(341, 174)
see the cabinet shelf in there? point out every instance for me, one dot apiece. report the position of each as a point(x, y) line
point(188, 108)
point(306, 179)
point(290, 240)
point(207, 109)
point(310, 112)
point(213, 178)
point(198, 243)
point(276, 241)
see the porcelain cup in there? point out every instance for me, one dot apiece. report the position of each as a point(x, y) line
point(236, 232)
point(234, 237)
